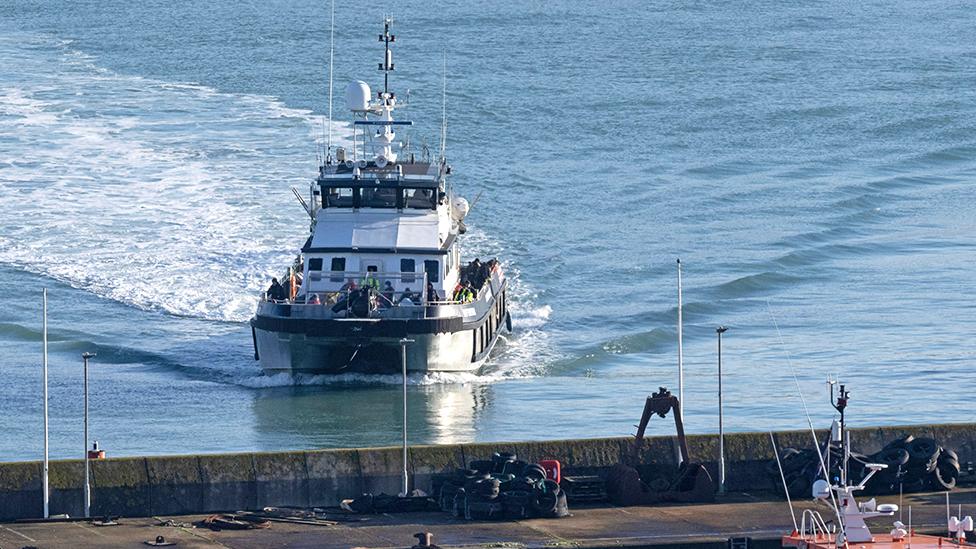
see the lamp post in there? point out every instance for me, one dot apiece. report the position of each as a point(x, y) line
point(721, 432)
point(403, 364)
point(46, 487)
point(85, 356)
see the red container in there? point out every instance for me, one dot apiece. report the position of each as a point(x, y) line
point(553, 469)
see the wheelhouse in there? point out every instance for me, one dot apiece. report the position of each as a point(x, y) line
point(371, 187)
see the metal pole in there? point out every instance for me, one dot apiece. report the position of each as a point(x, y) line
point(681, 366)
point(721, 430)
point(85, 357)
point(47, 496)
point(403, 363)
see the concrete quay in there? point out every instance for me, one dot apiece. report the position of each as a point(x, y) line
point(194, 484)
point(706, 526)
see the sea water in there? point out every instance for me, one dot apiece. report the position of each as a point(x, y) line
point(811, 165)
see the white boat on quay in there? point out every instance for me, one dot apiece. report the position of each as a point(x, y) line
point(382, 262)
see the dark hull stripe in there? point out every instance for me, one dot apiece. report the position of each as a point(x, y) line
point(350, 328)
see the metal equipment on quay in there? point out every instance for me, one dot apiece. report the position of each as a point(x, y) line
point(636, 484)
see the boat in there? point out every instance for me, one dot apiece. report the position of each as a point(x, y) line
point(850, 528)
point(380, 281)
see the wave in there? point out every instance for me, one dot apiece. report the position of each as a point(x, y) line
point(169, 197)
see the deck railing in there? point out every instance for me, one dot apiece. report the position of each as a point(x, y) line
point(324, 291)
point(322, 296)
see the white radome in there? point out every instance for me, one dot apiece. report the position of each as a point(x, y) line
point(358, 95)
point(460, 208)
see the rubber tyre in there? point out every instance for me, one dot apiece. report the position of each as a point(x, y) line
point(534, 471)
point(800, 487)
point(550, 486)
point(948, 463)
point(504, 456)
point(491, 488)
point(796, 462)
point(773, 467)
point(900, 442)
point(923, 450)
point(545, 503)
point(893, 457)
point(483, 465)
point(945, 477)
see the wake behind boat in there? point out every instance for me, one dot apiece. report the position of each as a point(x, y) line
point(382, 262)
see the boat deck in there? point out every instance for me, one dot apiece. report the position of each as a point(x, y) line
point(764, 520)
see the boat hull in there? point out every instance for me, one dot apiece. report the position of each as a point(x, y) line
point(301, 345)
point(298, 353)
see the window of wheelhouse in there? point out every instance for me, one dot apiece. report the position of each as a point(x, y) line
point(408, 266)
point(339, 197)
point(433, 269)
point(420, 199)
point(315, 264)
point(378, 197)
point(338, 266)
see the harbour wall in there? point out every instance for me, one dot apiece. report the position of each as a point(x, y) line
point(172, 485)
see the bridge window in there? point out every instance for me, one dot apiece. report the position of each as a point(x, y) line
point(420, 199)
point(378, 197)
point(433, 269)
point(339, 197)
point(338, 266)
point(408, 266)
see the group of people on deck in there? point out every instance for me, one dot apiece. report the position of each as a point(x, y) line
point(472, 280)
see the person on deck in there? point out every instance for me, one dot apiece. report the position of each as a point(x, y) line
point(349, 286)
point(387, 295)
point(464, 294)
point(276, 292)
point(370, 281)
point(408, 297)
point(431, 292)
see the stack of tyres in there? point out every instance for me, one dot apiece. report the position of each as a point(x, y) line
point(502, 487)
point(913, 465)
point(917, 464)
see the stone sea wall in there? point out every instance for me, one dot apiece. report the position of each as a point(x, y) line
point(168, 485)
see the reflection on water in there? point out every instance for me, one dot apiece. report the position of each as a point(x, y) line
point(321, 416)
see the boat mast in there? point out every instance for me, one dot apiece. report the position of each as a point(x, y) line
point(331, 65)
point(387, 65)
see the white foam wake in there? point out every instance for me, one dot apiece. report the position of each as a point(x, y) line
point(165, 196)
point(175, 197)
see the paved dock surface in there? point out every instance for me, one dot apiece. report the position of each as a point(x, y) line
point(737, 515)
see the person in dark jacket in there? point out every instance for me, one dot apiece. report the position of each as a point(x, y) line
point(387, 295)
point(276, 292)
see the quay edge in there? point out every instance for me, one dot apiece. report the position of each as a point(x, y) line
point(160, 485)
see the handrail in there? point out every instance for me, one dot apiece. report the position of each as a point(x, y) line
point(355, 280)
point(817, 527)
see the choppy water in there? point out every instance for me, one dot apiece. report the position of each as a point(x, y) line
point(808, 163)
